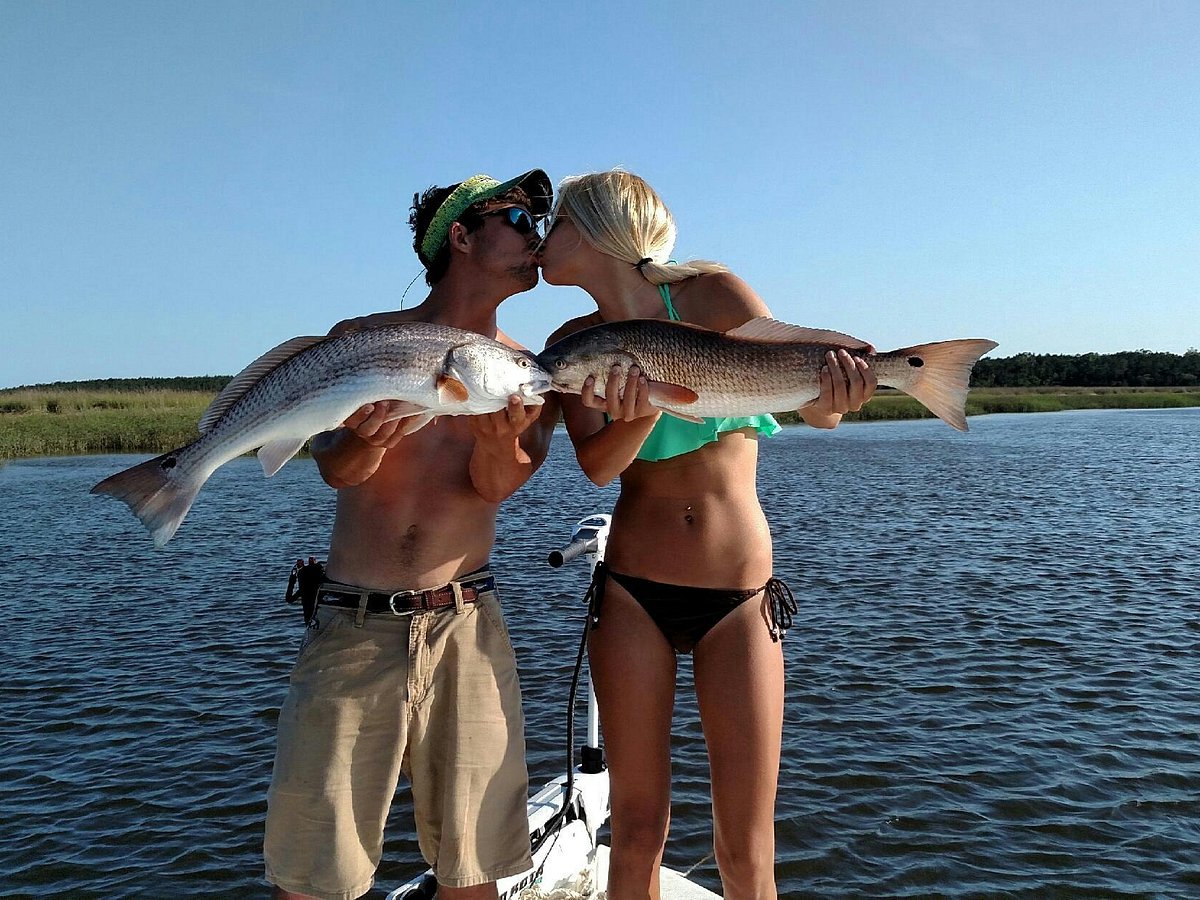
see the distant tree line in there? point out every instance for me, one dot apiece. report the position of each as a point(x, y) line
point(192, 383)
point(1132, 368)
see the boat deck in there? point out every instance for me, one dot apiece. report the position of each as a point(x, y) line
point(673, 885)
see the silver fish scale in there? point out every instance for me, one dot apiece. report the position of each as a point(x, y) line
point(320, 386)
point(406, 363)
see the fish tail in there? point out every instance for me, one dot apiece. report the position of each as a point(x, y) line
point(156, 493)
point(938, 374)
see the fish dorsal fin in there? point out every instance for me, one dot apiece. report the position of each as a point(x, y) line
point(765, 328)
point(244, 380)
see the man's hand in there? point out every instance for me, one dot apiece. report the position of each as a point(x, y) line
point(369, 423)
point(502, 428)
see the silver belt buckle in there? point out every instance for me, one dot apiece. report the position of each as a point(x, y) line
point(403, 612)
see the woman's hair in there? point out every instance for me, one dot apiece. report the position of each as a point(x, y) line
point(620, 215)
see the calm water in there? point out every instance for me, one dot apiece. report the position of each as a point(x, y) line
point(993, 685)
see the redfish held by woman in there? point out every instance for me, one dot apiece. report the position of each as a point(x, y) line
point(312, 384)
point(761, 367)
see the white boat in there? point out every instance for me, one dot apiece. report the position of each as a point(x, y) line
point(569, 862)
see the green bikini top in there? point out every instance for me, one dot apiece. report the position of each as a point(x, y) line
point(674, 437)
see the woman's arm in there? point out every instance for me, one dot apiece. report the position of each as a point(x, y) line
point(606, 448)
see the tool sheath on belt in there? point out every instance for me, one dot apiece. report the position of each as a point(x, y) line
point(303, 584)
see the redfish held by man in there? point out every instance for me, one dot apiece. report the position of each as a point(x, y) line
point(763, 366)
point(312, 384)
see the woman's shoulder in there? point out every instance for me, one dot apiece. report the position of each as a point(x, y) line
point(573, 325)
point(720, 300)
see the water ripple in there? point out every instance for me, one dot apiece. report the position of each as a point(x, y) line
point(994, 695)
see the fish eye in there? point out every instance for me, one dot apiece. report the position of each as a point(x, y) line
point(560, 363)
point(523, 362)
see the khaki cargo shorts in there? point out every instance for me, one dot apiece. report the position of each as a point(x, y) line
point(434, 695)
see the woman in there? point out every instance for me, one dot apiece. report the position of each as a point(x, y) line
point(688, 561)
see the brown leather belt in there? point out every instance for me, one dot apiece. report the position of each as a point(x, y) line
point(347, 596)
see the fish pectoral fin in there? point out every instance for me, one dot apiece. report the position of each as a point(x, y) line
point(663, 393)
point(273, 455)
point(685, 416)
point(401, 409)
point(451, 390)
point(764, 328)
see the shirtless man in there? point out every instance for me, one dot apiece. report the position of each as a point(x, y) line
point(408, 666)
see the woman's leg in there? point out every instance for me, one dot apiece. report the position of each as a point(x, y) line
point(739, 686)
point(633, 670)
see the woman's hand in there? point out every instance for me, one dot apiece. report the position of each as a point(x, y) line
point(633, 403)
point(847, 382)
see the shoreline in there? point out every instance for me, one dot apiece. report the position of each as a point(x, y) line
point(42, 423)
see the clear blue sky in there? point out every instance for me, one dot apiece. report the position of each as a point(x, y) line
point(183, 185)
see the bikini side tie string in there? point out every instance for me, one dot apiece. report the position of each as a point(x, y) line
point(781, 604)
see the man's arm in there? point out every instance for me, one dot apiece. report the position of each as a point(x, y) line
point(351, 454)
point(510, 445)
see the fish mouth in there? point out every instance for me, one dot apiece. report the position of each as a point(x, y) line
point(532, 390)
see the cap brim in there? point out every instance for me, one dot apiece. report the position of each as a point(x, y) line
point(536, 184)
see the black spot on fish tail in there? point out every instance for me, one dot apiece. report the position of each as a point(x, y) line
point(916, 362)
point(169, 462)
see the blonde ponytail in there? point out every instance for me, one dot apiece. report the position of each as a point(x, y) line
point(620, 215)
point(662, 273)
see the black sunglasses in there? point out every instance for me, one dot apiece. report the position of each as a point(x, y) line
point(519, 219)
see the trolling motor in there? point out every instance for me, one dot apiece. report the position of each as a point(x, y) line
point(589, 538)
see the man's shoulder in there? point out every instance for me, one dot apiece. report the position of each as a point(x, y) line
point(374, 320)
point(509, 341)
point(573, 325)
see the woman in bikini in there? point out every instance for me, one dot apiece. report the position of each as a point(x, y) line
point(688, 562)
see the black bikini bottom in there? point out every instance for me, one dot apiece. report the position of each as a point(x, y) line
point(685, 614)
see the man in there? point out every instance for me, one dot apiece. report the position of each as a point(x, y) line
point(395, 677)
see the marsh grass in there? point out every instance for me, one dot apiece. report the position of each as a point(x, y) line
point(61, 421)
point(56, 422)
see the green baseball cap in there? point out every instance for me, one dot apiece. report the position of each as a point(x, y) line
point(535, 183)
